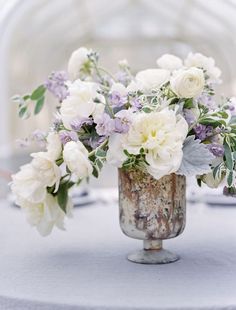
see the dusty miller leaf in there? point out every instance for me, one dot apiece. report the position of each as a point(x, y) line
point(196, 158)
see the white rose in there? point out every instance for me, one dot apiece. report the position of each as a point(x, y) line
point(169, 62)
point(54, 146)
point(80, 103)
point(115, 154)
point(161, 135)
point(46, 214)
point(27, 186)
point(152, 78)
point(76, 62)
point(76, 158)
point(187, 83)
point(48, 173)
point(204, 62)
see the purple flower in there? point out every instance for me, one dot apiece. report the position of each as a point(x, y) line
point(56, 85)
point(94, 142)
point(135, 103)
point(216, 149)
point(189, 116)
point(116, 99)
point(67, 136)
point(105, 125)
point(207, 100)
point(229, 191)
point(76, 124)
point(122, 77)
point(122, 121)
point(202, 132)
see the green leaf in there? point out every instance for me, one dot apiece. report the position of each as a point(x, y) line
point(62, 196)
point(188, 104)
point(100, 153)
point(26, 97)
point(23, 112)
point(147, 110)
point(228, 156)
point(99, 164)
point(39, 105)
point(38, 92)
point(230, 178)
point(214, 123)
point(95, 172)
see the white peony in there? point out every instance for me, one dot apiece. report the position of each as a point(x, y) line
point(46, 214)
point(169, 62)
point(76, 158)
point(188, 83)
point(27, 186)
point(80, 103)
point(78, 59)
point(204, 62)
point(48, 173)
point(152, 79)
point(161, 135)
point(54, 146)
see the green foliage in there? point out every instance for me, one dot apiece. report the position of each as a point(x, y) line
point(37, 97)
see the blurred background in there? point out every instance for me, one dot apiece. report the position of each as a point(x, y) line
point(38, 36)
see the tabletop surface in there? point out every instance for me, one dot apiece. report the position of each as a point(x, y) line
point(86, 266)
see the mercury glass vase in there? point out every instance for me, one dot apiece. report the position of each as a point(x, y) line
point(152, 210)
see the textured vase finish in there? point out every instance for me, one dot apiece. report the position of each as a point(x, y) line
point(152, 210)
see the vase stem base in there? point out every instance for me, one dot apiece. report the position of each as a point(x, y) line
point(160, 256)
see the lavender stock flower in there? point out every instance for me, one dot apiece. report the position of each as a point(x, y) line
point(105, 125)
point(202, 132)
point(56, 85)
point(67, 136)
point(189, 116)
point(76, 124)
point(216, 149)
point(116, 99)
point(122, 121)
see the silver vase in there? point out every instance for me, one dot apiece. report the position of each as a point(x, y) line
point(152, 210)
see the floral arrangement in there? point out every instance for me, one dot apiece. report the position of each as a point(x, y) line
point(162, 120)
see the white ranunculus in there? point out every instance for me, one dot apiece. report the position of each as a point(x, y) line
point(46, 214)
point(54, 146)
point(78, 59)
point(204, 62)
point(187, 83)
point(169, 62)
point(76, 158)
point(48, 173)
point(27, 186)
point(115, 154)
point(152, 78)
point(161, 135)
point(80, 103)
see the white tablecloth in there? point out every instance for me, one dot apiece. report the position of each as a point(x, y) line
point(86, 267)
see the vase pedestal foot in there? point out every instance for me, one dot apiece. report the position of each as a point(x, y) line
point(153, 254)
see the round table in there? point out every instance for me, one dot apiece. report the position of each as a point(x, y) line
point(86, 267)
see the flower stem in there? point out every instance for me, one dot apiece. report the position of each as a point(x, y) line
point(99, 147)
